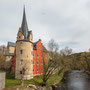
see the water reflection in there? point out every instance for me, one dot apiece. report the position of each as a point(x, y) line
point(78, 80)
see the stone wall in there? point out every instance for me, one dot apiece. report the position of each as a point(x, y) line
point(2, 80)
point(24, 59)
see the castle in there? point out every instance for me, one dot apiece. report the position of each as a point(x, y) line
point(25, 54)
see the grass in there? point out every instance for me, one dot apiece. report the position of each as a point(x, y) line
point(11, 82)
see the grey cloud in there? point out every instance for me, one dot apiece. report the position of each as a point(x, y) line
point(69, 44)
point(67, 21)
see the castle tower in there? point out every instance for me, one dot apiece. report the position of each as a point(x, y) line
point(24, 50)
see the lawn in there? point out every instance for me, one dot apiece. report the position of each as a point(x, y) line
point(37, 80)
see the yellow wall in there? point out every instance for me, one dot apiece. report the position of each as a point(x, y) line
point(11, 49)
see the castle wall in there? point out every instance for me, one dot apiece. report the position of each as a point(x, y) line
point(24, 59)
point(2, 80)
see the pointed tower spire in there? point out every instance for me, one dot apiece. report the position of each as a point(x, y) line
point(24, 25)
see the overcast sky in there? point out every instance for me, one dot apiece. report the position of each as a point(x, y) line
point(66, 21)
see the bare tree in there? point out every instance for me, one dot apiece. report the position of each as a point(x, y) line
point(2, 59)
point(3, 48)
point(53, 48)
point(66, 51)
point(22, 72)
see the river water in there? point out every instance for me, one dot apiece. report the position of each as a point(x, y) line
point(77, 80)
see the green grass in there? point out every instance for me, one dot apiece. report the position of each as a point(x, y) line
point(37, 80)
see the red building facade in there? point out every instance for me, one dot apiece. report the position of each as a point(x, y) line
point(39, 54)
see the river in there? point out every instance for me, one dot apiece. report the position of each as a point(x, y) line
point(77, 80)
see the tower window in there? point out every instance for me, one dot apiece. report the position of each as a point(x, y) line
point(21, 61)
point(20, 72)
point(33, 70)
point(21, 51)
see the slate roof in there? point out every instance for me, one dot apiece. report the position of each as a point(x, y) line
point(11, 44)
point(24, 26)
point(34, 47)
point(9, 54)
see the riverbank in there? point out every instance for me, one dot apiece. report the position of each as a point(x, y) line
point(88, 72)
point(11, 82)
